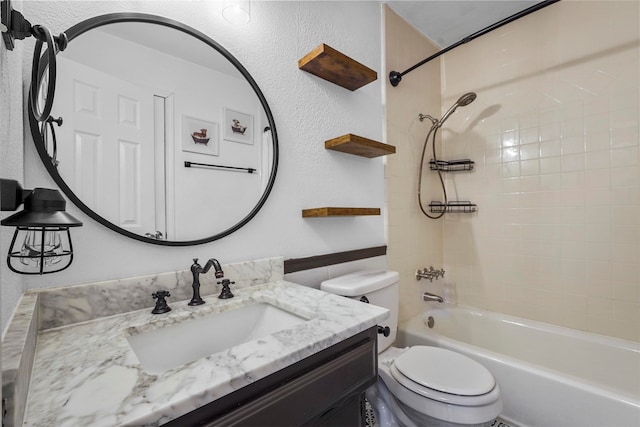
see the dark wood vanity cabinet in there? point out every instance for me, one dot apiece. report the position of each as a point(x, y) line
point(325, 389)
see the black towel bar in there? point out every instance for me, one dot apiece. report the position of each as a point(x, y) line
point(189, 164)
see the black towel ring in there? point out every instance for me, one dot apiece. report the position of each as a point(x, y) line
point(43, 32)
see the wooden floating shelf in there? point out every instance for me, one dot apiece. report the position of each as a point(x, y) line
point(336, 67)
point(359, 146)
point(325, 212)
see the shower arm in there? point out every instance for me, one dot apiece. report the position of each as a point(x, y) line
point(395, 77)
point(433, 120)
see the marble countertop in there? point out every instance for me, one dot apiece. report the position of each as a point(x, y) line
point(87, 374)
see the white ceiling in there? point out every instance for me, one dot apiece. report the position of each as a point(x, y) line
point(446, 22)
point(172, 42)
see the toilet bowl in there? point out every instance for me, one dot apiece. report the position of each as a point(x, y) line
point(421, 385)
point(438, 387)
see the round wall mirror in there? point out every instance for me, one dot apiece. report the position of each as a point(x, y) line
point(165, 137)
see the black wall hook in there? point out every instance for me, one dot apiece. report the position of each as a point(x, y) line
point(16, 27)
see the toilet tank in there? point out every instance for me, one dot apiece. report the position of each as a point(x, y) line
point(378, 287)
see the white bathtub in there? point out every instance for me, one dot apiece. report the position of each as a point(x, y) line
point(549, 376)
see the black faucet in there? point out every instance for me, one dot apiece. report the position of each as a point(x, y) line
point(196, 269)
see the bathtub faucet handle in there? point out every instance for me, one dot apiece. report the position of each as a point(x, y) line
point(429, 273)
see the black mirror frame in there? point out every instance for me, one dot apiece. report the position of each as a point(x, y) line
point(113, 18)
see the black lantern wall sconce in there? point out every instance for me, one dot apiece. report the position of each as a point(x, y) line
point(41, 243)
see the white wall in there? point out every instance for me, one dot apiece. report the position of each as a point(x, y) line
point(10, 166)
point(307, 111)
point(11, 156)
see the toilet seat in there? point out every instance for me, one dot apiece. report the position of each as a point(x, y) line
point(417, 401)
point(445, 376)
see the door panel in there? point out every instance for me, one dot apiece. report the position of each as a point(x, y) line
point(111, 164)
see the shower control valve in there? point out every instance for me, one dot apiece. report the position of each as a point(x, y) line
point(429, 273)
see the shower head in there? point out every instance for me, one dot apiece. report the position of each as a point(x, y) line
point(463, 101)
point(466, 99)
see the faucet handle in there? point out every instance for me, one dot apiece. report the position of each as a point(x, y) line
point(160, 294)
point(161, 303)
point(226, 291)
point(195, 269)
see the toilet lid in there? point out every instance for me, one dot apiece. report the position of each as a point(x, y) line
point(445, 371)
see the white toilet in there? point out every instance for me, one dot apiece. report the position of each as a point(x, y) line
point(421, 385)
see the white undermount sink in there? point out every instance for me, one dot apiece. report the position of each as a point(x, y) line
point(169, 347)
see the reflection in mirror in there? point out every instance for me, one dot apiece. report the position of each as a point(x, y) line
point(140, 102)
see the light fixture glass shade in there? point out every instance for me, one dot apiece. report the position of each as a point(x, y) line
point(40, 250)
point(41, 243)
point(237, 12)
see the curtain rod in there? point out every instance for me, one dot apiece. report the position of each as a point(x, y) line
point(395, 77)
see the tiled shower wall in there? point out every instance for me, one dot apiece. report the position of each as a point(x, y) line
point(554, 134)
point(413, 241)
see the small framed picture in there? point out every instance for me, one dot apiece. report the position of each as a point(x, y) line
point(200, 136)
point(238, 127)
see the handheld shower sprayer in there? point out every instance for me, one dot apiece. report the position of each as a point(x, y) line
point(463, 101)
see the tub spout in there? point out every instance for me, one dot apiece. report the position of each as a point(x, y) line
point(431, 297)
